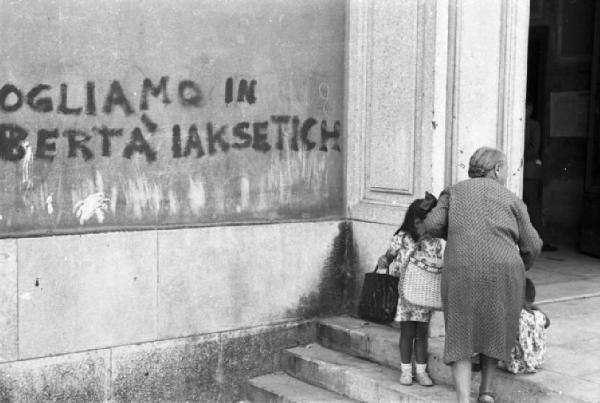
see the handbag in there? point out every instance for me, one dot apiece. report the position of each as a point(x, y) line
point(422, 284)
point(379, 297)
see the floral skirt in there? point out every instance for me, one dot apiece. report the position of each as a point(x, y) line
point(405, 312)
point(530, 348)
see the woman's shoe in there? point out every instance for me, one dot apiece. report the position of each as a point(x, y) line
point(406, 378)
point(423, 379)
point(486, 397)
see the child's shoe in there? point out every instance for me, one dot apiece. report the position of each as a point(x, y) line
point(406, 377)
point(422, 376)
point(423, 379)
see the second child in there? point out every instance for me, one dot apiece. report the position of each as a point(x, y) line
point(411, 241)
point(530, 348)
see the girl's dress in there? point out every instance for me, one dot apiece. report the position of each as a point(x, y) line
point(530, 349)
point(402, 248)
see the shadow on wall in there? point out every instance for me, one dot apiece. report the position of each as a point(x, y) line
point(337, 287)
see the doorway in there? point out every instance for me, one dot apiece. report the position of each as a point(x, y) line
point(562, 88)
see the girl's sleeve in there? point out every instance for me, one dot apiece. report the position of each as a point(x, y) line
point(530, 244)
point(436, 222)
point(395, 245)
point(403, 253)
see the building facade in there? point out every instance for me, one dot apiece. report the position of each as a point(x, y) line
point(186, 184)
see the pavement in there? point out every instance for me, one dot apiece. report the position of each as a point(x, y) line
point(565, 275)
point(568, 291)
point(354, 360)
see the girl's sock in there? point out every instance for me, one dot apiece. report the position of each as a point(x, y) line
point(420, 368)
point(406, 368)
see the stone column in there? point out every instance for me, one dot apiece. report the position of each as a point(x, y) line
point(428, 82)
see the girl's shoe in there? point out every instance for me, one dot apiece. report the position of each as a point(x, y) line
point(486, 397)
point(423, 379)
point(406, 378)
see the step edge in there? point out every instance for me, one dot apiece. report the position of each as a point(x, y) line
point(252, 383)
point(436, 348)
point(342, 369)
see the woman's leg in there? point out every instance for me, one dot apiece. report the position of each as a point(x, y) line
point(461, 372)
point(488, 369)
point(407, 337)
point(421, 335)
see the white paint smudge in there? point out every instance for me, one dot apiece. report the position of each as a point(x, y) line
point(173, 203)
point(324, 95)
point(26, 164)
point(99, 182)
point(244, 192)
point(114, 194)
point(94, 205)
point(196, 195)
point(262, 204)
point(282, 186)
point(219, 197)
point(142, 196)
point(49, 205)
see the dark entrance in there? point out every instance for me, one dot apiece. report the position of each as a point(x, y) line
point(564, 88)
point(590, 227)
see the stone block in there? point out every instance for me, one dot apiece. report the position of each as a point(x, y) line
point(280, 387)
point(176, 370)
point(356, 378)
point(221, 278)
point(253, 352)
point(340, 339)
point(361, 339)
point(86, 292)
point(8, 300)
point(81, 377)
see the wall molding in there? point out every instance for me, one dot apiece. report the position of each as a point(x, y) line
point(365, 199)
point(501, 97)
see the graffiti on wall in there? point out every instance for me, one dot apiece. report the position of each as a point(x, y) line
point(146, 139)
point(242, 135)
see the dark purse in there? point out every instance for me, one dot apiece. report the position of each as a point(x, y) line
point(379, 297)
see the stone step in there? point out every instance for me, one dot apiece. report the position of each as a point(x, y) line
point(356, 378)
point(282, 388)
point(379, 343)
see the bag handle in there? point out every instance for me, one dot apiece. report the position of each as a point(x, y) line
point(412, 253)
point(387, 269)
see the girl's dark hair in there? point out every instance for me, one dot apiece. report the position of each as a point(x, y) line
point(408, 225)
point(529, 291)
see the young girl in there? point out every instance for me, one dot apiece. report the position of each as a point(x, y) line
point(528, 353)
point(411, 241)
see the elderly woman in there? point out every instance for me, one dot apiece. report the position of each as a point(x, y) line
point(490, 244)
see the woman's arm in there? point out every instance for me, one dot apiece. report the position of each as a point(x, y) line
point(436, 222)
point(546, 318)
point(530, 244)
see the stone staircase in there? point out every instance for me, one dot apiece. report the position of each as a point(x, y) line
point(348, 363)
point(354, 360)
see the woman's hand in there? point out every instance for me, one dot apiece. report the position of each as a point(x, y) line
point(383, 263)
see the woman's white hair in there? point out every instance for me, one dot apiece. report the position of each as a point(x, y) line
point(484, 160)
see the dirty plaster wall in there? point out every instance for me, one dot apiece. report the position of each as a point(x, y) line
point(160, 113)
point(88, 297)
point(209, 128)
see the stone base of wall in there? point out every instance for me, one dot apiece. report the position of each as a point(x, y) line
point(211, 367)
